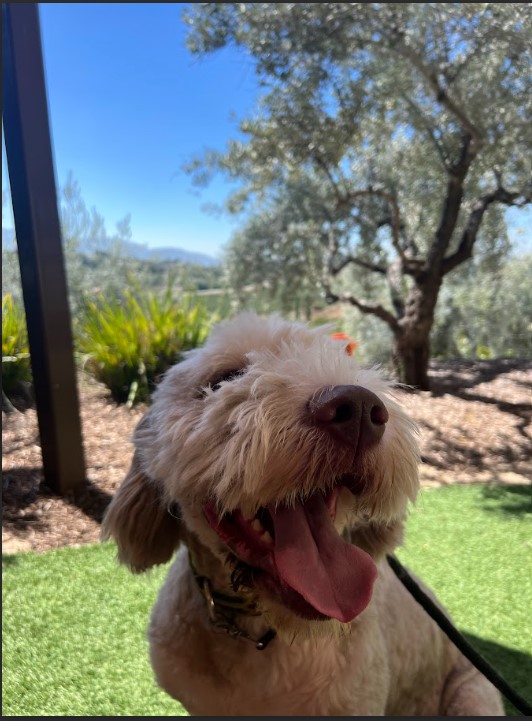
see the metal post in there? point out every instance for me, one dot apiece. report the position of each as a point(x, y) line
point(35, 211)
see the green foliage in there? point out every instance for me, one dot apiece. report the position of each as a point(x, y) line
point(484, 314)
point(276, 259)
point(129, 340)
point(373, 338)
point(95, 260)
point(126, 336)
point(11, 273)
point(16, 366)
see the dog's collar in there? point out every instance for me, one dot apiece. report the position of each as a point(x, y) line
point(223, 608)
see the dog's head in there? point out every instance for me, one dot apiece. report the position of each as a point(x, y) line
point(276, 446)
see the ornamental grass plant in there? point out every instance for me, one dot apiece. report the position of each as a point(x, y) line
point(127, 341)
point(16, 366)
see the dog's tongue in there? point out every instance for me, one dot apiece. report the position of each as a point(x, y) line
point(334, 577)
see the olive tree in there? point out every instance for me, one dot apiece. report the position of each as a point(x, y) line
point(410, 122)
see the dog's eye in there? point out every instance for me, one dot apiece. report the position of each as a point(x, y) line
point(225, 376)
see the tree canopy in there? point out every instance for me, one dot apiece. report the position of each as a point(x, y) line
point(389, 138)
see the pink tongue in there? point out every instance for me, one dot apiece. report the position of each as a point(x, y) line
point(334, 577)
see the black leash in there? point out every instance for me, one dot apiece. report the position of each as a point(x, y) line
point(456, 637)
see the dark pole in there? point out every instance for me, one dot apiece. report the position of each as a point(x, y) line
point(34, 198)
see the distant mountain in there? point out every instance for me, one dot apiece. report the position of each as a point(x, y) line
point(171, 253)
point(142, 252)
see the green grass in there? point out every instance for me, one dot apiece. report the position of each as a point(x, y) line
point(74, 622)
point(74, 639)
point(473, 546)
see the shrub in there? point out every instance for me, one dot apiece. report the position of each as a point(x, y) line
point(129, 341)
point(16, 366)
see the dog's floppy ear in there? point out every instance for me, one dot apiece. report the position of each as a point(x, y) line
point(139, 520)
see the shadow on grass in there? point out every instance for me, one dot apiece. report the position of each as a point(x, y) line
point(9, 559)
point(508, 499)
point(514, 666)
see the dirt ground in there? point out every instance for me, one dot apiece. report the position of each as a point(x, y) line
point(475, 428)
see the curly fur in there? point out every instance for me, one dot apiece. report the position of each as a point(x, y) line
point(245, 442)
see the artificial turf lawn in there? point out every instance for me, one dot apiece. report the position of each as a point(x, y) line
point(74, 622)
point(74, 639)
point(473, 546)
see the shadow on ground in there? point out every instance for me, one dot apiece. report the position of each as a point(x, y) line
point(514, 666)
point(22, 486)
point(447, 453)
point(458, 377)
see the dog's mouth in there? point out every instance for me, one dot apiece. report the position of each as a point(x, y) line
point(297, 555)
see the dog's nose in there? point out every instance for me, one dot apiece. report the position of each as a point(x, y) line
point(351, 414)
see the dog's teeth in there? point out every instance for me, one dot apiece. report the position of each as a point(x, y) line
point(257, 526)
point(266, 536)
point(248, 518)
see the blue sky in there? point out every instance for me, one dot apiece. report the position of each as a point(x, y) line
point(129, 105)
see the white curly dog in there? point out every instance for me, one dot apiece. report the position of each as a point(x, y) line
point(285, 469)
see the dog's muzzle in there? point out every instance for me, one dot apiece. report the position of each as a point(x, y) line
point(292, 546)
point(350, 414)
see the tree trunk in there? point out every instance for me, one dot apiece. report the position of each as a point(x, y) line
point(412, 357)
point(412, 335)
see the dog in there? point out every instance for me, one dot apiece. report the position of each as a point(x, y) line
point(281, 471)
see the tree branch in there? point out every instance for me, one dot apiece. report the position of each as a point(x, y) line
point(394, 276)
point(451, 205)
point(430, 131)
point(440, 94)
point(411, 266)
point(340, 199)
point(366, 308)
point(469, 236)
point(334, 270)
point(395, 224)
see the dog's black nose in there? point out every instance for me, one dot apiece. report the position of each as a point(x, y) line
point(351, 414)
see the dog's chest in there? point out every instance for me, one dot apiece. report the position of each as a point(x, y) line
point(212, 674)
point(309, 679)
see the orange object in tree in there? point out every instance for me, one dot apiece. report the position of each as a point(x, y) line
point(351, 345)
